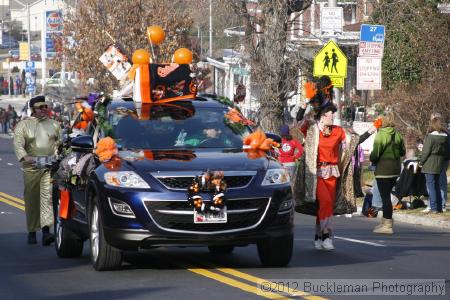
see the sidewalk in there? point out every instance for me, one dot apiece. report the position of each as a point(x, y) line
point(18, 102)
point(418, 220)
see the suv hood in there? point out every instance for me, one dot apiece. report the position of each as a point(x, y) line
point(193, 160)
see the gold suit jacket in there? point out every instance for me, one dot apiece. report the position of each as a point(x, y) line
point(36, 137)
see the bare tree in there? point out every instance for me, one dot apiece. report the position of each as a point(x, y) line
point(87, 26)
point(416, 61)
point(274, 62)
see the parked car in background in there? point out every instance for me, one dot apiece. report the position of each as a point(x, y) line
point(14, 53)
point(9, 44)
point(56, 79)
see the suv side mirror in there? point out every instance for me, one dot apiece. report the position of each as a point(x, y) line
point(274, 137)
point(83, 144)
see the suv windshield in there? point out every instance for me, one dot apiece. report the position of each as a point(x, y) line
point(175, 126)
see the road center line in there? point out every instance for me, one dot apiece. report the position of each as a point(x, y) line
point(12, 198)
point(235, 283)
point(291, 292)
point(12, 203)
point(251, 278)
point(360, 241)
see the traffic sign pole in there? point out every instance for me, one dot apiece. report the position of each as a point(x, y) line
point(337, 92)
point(368, 74)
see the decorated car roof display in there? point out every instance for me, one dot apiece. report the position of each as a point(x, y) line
point(151, 84)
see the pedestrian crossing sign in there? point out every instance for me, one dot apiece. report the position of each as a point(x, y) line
point(330, 61)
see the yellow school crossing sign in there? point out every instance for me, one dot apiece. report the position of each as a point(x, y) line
point(331, 61)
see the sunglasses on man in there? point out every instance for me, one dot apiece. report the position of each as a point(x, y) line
point(43, 106)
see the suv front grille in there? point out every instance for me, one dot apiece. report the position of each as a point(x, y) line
point(184, 182)
point(178, 215)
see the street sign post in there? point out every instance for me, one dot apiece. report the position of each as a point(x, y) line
point(368, 73)
point(30, 76)
point(331, 20)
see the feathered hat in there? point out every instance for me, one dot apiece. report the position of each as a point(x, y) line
point(320, 95)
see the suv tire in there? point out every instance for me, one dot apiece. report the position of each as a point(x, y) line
point(225, 249)
point(67, 243)
point(276, 252)
point(103, 256)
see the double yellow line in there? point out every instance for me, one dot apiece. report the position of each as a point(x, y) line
point(228, 276)
point(13, 201)
point(248, 283)
point(254, 285)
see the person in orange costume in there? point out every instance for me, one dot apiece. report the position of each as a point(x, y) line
point(324, 182)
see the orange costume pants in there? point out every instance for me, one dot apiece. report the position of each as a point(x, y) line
point(325, 197)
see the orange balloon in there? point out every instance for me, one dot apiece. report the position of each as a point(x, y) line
point(141, 56)
point(182, 56)
point(155, 34)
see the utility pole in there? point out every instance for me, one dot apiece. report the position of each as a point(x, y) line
point(29, 33)
point(43, 50)
point(337, 92)
point(210, 28)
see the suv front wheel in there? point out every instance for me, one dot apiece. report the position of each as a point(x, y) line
point(103, 256)
point(276, 252)
point(67, 243)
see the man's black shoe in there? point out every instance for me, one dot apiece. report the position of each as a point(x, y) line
point(47, 237)
point(32, 238)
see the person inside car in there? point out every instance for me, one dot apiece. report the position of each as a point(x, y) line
point(210, 137)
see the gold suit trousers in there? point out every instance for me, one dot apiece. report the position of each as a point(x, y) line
point(38, 198)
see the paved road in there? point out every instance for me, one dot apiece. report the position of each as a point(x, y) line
point(34, 272)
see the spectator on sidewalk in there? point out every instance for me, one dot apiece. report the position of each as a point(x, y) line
point(11, 85)
point(388, 148)
point(5, 87)
point(17, 86)
point(443, 184)
point(12, 115)
point(433, 160)
point(2, 120)
point(2, 79)
point(291, 150)
point(357, 161)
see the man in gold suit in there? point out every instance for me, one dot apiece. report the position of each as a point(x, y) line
point(36, 141)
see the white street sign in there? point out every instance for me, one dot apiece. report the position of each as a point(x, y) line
point(370, 49)
point(368, 75)
point(331, 19)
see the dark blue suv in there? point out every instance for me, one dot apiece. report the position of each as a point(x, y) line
point(140, 201)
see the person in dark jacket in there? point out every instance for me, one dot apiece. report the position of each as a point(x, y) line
point(433, 160)
point(388, 148)
point(443, 176)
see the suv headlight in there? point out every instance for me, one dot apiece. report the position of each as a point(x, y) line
point(126, 179)
point(276, 177)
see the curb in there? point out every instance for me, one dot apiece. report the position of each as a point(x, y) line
point(414, 220)
point(422, 220)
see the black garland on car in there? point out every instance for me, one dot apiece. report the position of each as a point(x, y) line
point(208, 182)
